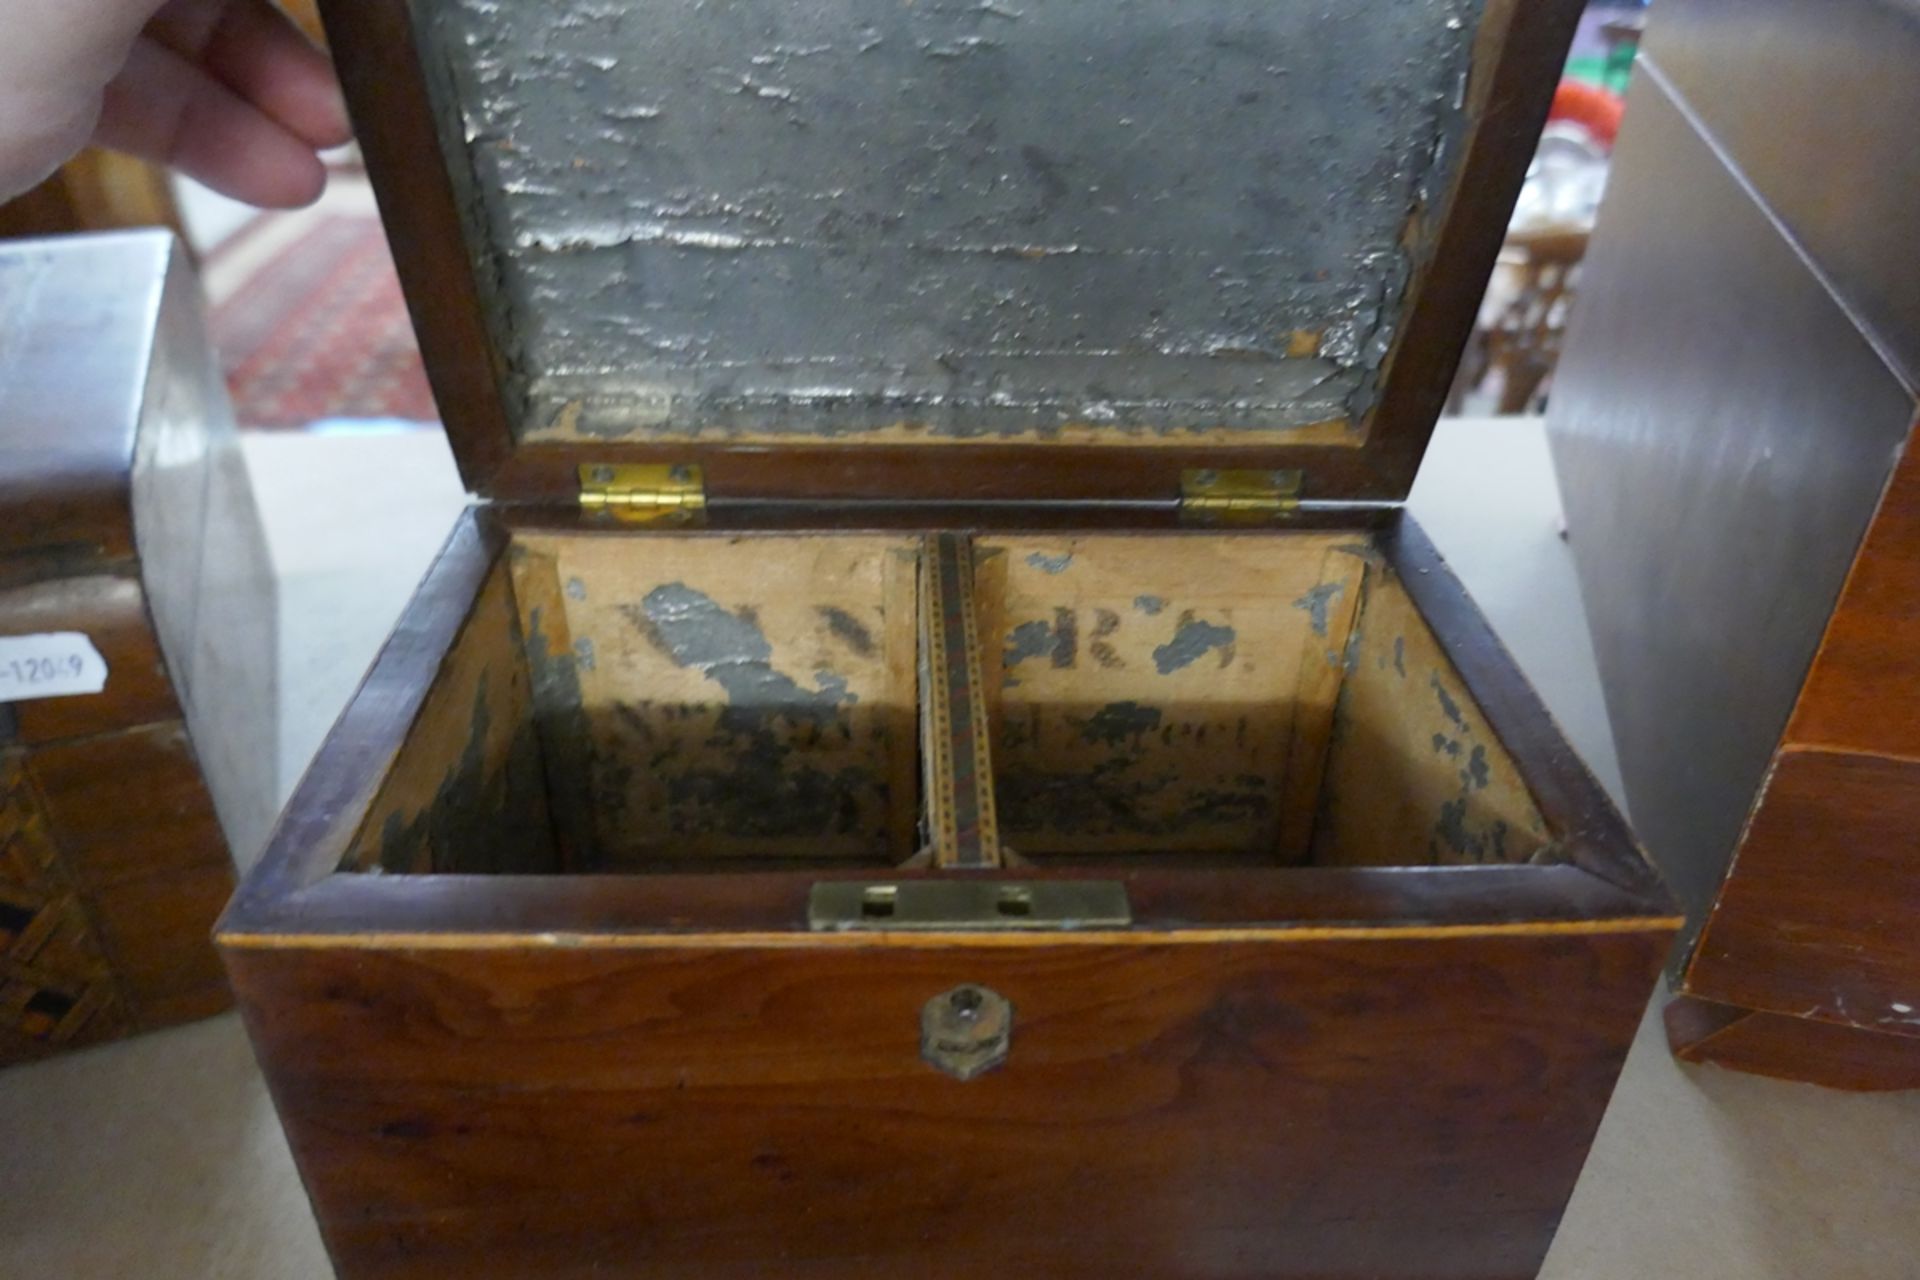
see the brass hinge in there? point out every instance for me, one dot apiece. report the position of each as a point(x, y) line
point(644, 494)
point(1216, 497)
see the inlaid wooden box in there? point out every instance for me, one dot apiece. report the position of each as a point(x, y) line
point(138, 734)
point(939, 751)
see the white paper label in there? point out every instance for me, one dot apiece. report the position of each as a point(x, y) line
point(56, 664)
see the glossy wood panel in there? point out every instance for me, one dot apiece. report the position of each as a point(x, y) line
point(80, 328)
point(1816, 920)
point(1788, 1048)
point(652, 909)
point(1802, 930)
point(1722, 433)
point(210, 586)
point(1275, 1072)
point(1863, 691)
point(1814, 101)
point(160, 927)
point(1317, 1109)
point(1729, 423)
point(125, 516)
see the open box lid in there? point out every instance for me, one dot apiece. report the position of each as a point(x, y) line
point(931, 251)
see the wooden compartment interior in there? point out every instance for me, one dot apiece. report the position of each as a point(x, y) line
point(1254, 698)
point(690, 700)
point(631, 701)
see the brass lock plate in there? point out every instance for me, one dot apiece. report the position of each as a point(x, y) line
point(966, 1031)
point(841, 906)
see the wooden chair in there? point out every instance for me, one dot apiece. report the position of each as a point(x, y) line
point(1523, 341)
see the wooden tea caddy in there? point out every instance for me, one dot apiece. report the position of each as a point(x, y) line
point(875, 788)
point(128, 532)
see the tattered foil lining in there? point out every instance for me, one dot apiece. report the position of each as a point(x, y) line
point(1138, 220)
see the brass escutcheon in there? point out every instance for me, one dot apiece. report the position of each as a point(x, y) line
point(966, 1031)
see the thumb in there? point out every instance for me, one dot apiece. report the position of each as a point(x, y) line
point(68, 45)
point(55, 62)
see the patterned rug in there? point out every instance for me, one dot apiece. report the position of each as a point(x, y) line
point(319, 331)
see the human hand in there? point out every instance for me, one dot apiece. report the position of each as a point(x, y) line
point(227, 91)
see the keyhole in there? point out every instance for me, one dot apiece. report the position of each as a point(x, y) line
point(966, 1003)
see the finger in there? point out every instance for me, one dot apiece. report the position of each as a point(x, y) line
point(166, 109)
point(30, 154)
point(254, 49)
point(55, 57)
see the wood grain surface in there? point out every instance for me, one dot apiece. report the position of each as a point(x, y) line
point(1788, 1048)
point(1275, 1072)
point(1816, 920)
point(1308, 1071)
point(1863, 690)
point(1315, 1109)
point(1809, 926)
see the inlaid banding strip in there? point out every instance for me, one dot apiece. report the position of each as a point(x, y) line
point(964, 827)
